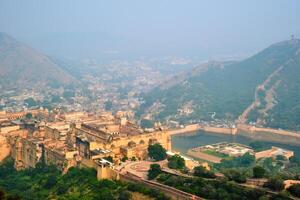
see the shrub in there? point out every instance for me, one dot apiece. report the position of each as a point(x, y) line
point(203, 172)
point(235, 175)
point(258, 172)
point(275, 184)
point(294, 190)
point(154, 171)
point(176, 162)
point(157, 152)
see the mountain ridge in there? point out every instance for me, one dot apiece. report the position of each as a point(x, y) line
point(230, 89)
point(22, 66)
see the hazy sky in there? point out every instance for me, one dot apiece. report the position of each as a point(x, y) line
point(208, 29)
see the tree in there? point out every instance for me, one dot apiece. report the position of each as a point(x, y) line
point(109, 158)
point(6, 168)
point(30, 102)
point(235, 175)
point(258, 145)
point(146, 123)
point(105, 194)
point(154, 171)
point(2, 194)
point(133, 159)
point(157, 152)
point(68, 94)
point(283, 195)
point(203, 172)
point(246, 160)
point(125, 195)
point(55, 99)
point(28, 116)
point(280, 157)
point(295, 160)
point(108, 105)
point(275, 183)
point(124, 159)
point(294, 190)
point(176, 162)
point(258, 172)
point(50, 182)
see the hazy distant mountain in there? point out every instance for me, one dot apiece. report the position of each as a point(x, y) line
point(264, 88)
point(21, 66)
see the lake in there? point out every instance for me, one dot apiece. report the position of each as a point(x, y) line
point(183, 143)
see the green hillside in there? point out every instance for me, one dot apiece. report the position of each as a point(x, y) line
point(229, 89)
point(47, 182)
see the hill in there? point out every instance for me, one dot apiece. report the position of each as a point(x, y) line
point(263, 89)
point(22, 66)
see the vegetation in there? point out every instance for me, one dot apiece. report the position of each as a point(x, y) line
point(68, 94)
point(176, 162)
point(133, 159)
point(108, 105)
point(30, 102)
point(55, 99)
point(46, 182)
point(146, 123)
point(295, 190)
point(258, 172)
point(4, 196)
point(247, 160)
point(275, 183)
point(280, 157)
point(28, 116)
point(124, 159)
point(235, 175)
point(201, 171)
point(205, 184)
point(258, 146)
point(214, 189)
point(154, 171)
point(147, 191)
point(157, 152)
point(286, 113)
point(229, 88)
point(109, 158)
point(214, 153)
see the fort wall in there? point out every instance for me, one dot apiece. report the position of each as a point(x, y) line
point(267, 134)
point(4, 148)
point(167, 190)
point(197, 127)
point(253, 129)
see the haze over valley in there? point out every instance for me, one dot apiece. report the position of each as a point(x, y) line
point(130, 100)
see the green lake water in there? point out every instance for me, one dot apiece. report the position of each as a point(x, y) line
point(183, 143)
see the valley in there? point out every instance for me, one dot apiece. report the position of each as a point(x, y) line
point(149, 100)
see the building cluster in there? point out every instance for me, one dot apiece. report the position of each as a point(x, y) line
point(77, 139)
point(274, 152)
point(237, 150)
point(230, 149)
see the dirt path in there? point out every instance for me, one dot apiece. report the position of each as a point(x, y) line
point(270, 93)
